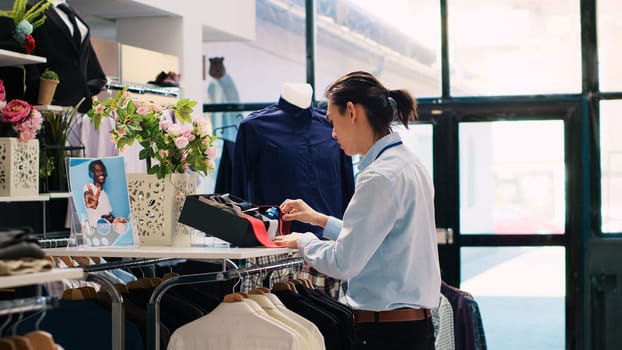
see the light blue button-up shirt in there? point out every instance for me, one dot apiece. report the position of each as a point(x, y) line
point(385, 247)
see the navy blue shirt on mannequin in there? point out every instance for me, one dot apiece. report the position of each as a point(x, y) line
point(284, 151)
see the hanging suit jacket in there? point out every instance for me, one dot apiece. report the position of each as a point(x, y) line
point(78, 68)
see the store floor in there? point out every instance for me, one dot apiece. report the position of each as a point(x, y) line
point(520, 293)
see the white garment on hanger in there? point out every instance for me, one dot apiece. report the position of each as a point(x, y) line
point(273, 311)
point(310, 326)
point(233, 326)
point(270, 318)
point(297, 94)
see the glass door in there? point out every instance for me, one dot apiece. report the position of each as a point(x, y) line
point(501, 173)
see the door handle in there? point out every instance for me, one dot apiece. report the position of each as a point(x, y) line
point(444, 235)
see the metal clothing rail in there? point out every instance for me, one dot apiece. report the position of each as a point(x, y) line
point(118, 312)
point(143, 89)
point(27, 305)
point(153, 307)
point(124, 263)
point(57, 242)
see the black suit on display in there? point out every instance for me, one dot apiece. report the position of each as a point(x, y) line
point(78, 68)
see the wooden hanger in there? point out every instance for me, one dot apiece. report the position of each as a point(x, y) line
point(82, 260)
point(122, 288)
point(41, 340)
point(73, 294)
point(232, 298)
point(67, 260)
point(284, 286)
point(89, 292)
point(7, 345)
point(155, 281)
point(20, 342)
point(256, 291)
point(264, 289)
point(52, 260)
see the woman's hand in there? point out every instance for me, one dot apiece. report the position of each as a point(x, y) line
point(290, 240)
point(297, 209)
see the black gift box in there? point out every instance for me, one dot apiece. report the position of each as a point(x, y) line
point(218, 222)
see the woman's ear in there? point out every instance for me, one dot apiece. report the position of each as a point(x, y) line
point(351, 111)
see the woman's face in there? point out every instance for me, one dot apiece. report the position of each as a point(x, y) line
point(342, 129)
point(99, 173)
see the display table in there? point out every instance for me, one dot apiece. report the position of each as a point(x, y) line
point(168, 252)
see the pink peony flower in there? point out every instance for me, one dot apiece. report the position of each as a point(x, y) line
point(211, 152)
point(142, 110)
point(165, 124)
point(16, 111)
point(2, 91)
point(181, 142)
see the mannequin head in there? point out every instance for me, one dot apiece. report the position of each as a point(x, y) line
point(216, 67)
point(297, 94)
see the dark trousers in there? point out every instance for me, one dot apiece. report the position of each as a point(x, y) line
point(411, 335)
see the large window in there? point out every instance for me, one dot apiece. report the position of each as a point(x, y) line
point(276, 56)
point(609, 49)
point(399, 42)
point(512, 177)
point(514, 47)
point(611, 166)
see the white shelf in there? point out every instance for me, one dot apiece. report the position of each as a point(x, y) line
point(32, 198)
point(53, 195)
point(40, 277)
point(53, 108)
point(168, 252)
point(42, 197)
point(12, 58)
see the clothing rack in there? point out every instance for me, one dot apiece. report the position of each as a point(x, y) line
point(153, 309)
point(143, 89)
point(223, 128)
point(57, 242)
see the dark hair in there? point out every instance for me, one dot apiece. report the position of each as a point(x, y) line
point(382, 105)
point(93, 164)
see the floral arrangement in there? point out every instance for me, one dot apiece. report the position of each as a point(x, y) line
point(24, 119)
point(26, 20)
point(176, 147)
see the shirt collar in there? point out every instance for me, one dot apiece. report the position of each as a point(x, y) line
point(293, 110)
point(377, 148)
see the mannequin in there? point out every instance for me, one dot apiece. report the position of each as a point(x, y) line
point(297, 94)
point(279, 149)
point(72, 57)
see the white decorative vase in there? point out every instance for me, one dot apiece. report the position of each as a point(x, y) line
point(156, 205)
point(19, 167)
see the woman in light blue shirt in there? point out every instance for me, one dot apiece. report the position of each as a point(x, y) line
point(385, 247)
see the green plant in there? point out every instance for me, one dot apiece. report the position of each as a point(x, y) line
point(46, 166)
point(177, 147)
point(26, 20)
point(49, 75)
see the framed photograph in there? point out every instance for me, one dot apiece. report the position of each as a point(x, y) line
point(101, 200)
